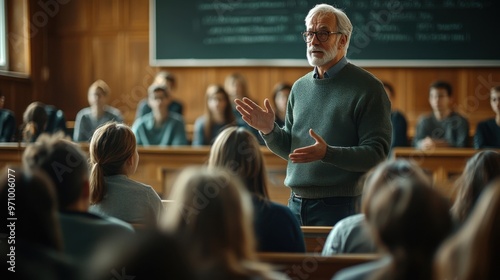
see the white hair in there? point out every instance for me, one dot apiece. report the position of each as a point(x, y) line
point(344, 25)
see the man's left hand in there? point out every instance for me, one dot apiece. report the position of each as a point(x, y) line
point(311, 153)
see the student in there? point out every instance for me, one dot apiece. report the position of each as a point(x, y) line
point(218, 114)
point(169, 81)
point(409, 220)
point(338, 124)
point(212, 215)
point(7, 123)
point(480, 170)
point(34, 121)
point(160, 127)
point(398, 120)
point(34, 242)
point(90, 118)
point(66, 164)
point(280, 97)
point(236, 87)
point(276, 228)
point(443, 127)
point(473, 252)
point(113, 158)
point(352, 235)
point(488, 131)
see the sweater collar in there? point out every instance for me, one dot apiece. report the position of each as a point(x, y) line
point(330, 73)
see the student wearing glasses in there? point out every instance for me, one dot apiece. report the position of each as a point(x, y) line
point(337, 124)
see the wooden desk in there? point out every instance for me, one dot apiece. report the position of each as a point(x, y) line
point(315, 237)
point(313, 266)
point(443, 164)
point(159, 166)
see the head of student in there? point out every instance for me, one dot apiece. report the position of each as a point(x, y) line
point(113, 151)
point(35, 206)
point(480, 170)
point(495, 99)
point(213, 213)
point(386, 172)
point(280, 96)
point(166, 79)
point(158, 98)
point(98, 94)
point(409, 219)
point(217, 102)
point(236, 86)
point(473, 252)
point(67, 166)
point(440, 96)
point(238, 150)
point(328, 32)
point(34, 121)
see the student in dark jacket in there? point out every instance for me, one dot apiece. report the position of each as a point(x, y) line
point(277, 230)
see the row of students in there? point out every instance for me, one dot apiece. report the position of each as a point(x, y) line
point(444, 127)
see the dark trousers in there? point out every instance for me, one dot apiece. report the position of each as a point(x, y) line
point(322, 211)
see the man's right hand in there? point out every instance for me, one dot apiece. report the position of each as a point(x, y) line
point(255, 116)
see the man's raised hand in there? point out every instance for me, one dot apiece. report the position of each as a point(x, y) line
point(255, 116)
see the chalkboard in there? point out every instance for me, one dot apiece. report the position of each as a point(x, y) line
point(268, 33)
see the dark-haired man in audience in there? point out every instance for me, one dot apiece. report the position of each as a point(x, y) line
point(66, 164)
point(443, 127)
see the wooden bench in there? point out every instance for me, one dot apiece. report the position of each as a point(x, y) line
point(313, 266)
point(315, 237)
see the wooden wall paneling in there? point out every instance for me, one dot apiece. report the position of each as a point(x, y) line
point(136, 15)
point(18, 36)
point(73, 17)
point(137, 77)
point(71, 76)
point(107, 14)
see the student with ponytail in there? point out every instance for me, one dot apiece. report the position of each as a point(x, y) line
point(34, 121)
point(113, 158)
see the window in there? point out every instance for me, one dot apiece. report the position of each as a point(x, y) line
point(3, 36)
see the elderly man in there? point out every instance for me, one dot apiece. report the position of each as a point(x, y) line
point(337, 124)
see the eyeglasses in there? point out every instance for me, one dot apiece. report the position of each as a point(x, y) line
point(321, 35)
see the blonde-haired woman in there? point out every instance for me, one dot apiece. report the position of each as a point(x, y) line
point(218, 115)
point(474, 251)
point(277, 230)
point(212, 215)
point(90, 118)
point(114, 157)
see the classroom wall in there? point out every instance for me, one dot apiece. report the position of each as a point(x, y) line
point(87, 40)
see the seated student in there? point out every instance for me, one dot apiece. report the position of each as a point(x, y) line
point(114, 157)
point(56, 121)
point(443, 127)
point(212, 217)
point(398, 120)
point(7, 123)
point(236, 87)
point(488, 131)
point(473, 252)
point(66, 165)
point(409, 219)
point(37, 241)
point(34, 121)
point(280, 97)
point(218, 115)
point(480, 170)
point(90, 118)
point(276, 228)
point(352, 235)
point(168, 80)
point(160, 127)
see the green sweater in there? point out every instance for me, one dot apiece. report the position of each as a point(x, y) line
point(352, 113)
